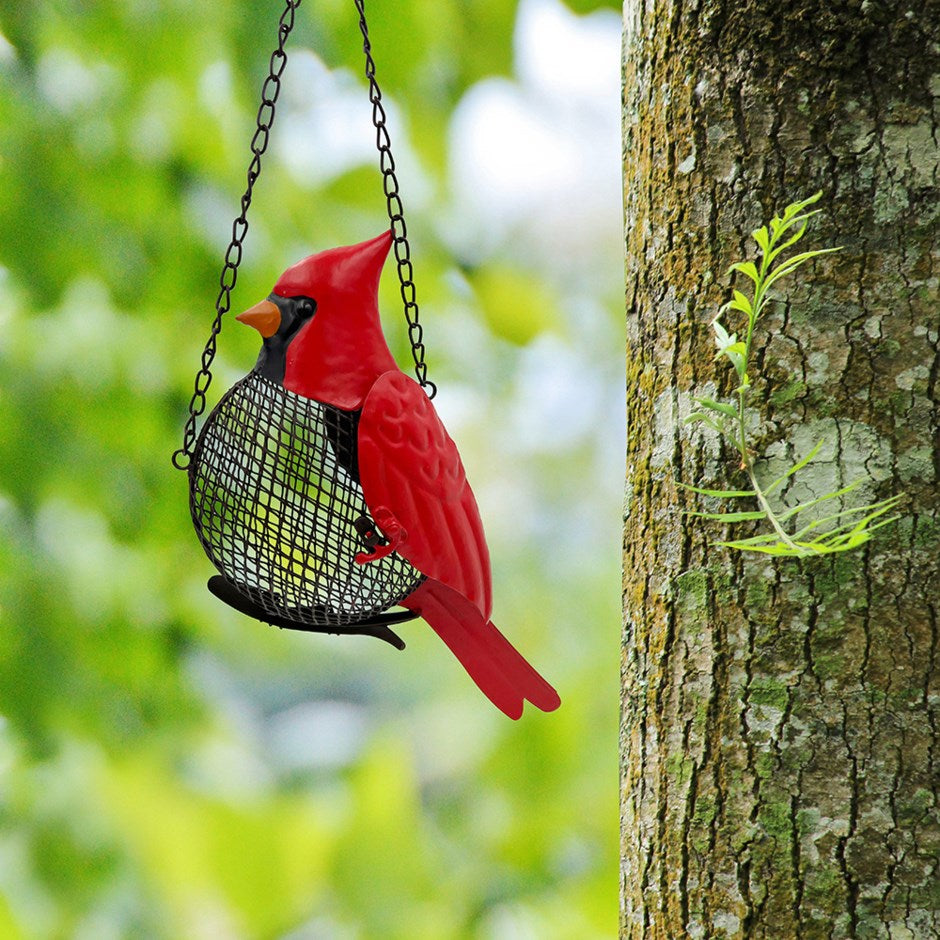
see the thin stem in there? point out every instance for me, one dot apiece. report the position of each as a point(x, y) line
point(741, 443)
point(747, 464)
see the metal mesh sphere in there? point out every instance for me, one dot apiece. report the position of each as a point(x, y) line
point(275, 497)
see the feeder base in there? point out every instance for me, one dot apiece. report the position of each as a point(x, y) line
point(377, 625)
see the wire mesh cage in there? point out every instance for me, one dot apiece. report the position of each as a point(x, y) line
point(276, 502)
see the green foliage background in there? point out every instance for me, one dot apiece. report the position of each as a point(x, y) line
point(167, 767)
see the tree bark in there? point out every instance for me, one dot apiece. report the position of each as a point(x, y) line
point(779, 718)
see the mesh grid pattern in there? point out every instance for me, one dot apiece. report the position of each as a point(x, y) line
point(274, 495)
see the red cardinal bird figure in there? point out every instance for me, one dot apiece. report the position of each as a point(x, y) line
point(323, 340)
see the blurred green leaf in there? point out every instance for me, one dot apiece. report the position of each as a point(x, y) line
point(517, 306)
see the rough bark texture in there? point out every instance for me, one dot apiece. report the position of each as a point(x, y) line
point(779, 735)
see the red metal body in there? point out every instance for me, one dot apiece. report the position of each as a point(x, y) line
point(411, 474)
point(338, 355)
point(409, 464)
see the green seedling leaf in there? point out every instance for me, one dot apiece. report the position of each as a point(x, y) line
point(730, 346)
point(877, 509)
point(736, 352)
point(869, 529)
point(729, 516)
point(843, 543)
point(721, 494)
point(795, 208)
point(835, 494)
point(739, 546)
point(882, 506)
point(740, 303)
point(700, 416)
point(784, 225)
point(762, 237)
point(778, 548)
point(797, 466)
point(719, 406)
point(767, 538)
point(792, 240)
point(721, 334)
point(797, 219)
point(747, 268)
point(794, 262)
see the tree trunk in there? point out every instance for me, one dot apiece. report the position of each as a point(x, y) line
point(779, 734)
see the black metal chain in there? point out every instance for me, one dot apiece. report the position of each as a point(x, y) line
point(270, 91)
point(396, 213)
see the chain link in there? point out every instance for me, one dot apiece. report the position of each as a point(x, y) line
point(396, 212)
point(270, 91)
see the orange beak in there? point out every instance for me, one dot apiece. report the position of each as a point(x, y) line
point(264, 317)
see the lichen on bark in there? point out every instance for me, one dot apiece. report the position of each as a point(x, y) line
point(779, 733)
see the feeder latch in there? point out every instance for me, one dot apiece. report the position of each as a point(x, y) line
point(368, 534)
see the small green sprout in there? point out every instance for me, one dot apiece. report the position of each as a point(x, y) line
point(789, 536)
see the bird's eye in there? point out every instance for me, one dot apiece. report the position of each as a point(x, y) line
point(305, 308)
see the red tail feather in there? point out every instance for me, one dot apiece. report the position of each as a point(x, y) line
point(494, 664)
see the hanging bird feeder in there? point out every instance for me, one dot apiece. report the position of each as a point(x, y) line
point(323, 486)
point(277, 504)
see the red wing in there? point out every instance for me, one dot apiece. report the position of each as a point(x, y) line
point(408, 463)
